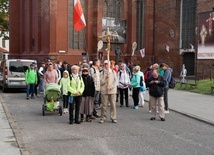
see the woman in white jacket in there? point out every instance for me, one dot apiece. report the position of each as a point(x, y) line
point(123, 83)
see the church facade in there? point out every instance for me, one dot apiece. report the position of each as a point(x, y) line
point(167, 30)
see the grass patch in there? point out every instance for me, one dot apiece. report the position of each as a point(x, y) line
point(202, 88)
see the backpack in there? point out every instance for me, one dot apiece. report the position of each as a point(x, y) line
point(146, 75)
point(71, 77)
point(172, 82)
point(141, 81)
point(93, 69)
point(126, 72)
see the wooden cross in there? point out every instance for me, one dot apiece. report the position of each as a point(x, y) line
point(108, 37)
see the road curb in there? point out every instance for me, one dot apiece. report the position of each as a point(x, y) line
point(191, 116)
point(194, 117)
point(15, 128)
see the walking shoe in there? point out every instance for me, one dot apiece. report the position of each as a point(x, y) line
point(67, 110)
point(77, 122)
point(97, 116)
point(88, 120)
point(114, 121)
point(64, 111)
point(71, 122)
point(150, 111)
point(127, 105)
point(135, 107)
point(152, 118)
point(92, 117)
point(102, 121)
point(162, 119)
point(166, 111)
point(27, 98)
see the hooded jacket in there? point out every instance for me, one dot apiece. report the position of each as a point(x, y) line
point(31, 76)
point(64, 83)
point(135, 81)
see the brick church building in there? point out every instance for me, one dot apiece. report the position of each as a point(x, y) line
point(167, 29)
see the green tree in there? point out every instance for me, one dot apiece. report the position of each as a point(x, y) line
point(4, 18)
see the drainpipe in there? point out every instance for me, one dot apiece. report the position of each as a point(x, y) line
point(153, 49)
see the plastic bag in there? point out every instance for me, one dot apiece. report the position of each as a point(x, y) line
point(70, 99)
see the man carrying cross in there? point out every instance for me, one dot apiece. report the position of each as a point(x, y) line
point(108, 85)
point(108, 89)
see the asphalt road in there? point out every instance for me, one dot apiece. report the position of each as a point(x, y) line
point(133, 134)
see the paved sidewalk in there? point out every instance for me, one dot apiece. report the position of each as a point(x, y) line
point(195, 105)
point(8, 143)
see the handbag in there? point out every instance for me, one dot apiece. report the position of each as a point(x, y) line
point(143, 88)
point(70, 99)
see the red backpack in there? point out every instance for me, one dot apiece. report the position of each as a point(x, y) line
point(146, 75)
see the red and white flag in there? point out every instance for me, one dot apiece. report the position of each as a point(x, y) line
point(79, 19)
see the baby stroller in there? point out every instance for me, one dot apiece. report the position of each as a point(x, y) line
point(51, 100)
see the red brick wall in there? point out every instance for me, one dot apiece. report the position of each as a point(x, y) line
point(167, 16)
point(50, 32)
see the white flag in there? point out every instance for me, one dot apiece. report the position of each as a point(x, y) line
point(167, 48)
point(142, 52)
point(192, 48)
point(133, 52)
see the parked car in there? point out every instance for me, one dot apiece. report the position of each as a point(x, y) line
point(12, 73)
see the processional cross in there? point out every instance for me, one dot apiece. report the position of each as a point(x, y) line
point(108, 37)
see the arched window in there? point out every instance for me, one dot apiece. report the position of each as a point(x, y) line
point(188, 21)
point(112, 18)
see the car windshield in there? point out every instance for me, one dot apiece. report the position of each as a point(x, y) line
point(19, 66)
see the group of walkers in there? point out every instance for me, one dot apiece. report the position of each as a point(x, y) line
point(96, 85)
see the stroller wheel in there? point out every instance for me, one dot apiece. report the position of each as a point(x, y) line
point(60, 111)
point(43, 110)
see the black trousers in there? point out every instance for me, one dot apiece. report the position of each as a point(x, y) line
point(65, 101)
point(135, 95)
point(76, 103)
point(124, 91)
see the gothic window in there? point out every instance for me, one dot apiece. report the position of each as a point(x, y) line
point(112, 18)
point(139, 24)
point(188, 23)
point(76, 40)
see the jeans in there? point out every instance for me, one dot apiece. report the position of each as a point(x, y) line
point(96, 101)
point(30, 89)
point(41, 85)
point(166, 98)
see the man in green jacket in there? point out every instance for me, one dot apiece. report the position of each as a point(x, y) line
point(31, 80)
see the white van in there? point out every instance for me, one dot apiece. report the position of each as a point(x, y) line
point(12, 73)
